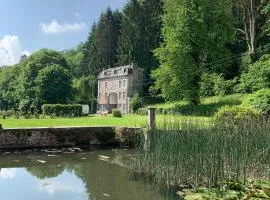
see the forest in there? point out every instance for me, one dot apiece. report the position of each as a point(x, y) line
point(188, 49)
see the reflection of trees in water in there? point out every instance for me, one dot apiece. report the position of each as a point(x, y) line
point(44, 171)
point(101, 177)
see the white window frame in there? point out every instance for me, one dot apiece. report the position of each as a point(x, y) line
point(120, 84)
point(120, 96)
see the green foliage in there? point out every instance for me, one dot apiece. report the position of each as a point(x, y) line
point(99, 51)
point(62, 110)
point(236, 114)
point(140, 34)
point(266, 13)
point(207, 84)
point(9, 84)
point(259, 100)
point(116, 113)
point(224, 87)
point(257, 76)
point(53, 85)
point(40, 78)
point(142, 111)
point(149, 100)
point(85, 88)
point(74, 58)
point(215, 85)
point(195, 33)
point(208, 106)
point(33, 79)
point(136, 103)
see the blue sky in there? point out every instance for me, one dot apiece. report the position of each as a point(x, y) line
point(29, 25)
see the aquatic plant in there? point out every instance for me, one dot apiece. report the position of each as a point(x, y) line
point(187, 153)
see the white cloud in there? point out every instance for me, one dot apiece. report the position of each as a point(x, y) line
point(54, 27)
point(11, 50)
point(52, 186)
point(7, 173)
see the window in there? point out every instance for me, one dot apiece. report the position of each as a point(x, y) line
point(120, 84)
point(106, 85)
point(124, 83)
point(99, 85)
point(120, 94)
point(124, 95)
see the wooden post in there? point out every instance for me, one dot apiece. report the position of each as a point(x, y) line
point(152, 118)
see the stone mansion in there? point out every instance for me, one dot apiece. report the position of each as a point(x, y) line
point(116, 86)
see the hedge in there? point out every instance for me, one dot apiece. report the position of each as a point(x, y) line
point(62, 110)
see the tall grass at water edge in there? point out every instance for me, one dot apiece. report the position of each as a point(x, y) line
point(190, 154)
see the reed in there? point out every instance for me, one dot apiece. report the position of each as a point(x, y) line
point(205, 155)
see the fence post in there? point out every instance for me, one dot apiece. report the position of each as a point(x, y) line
point(152, 118)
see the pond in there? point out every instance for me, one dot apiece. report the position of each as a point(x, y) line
point(80, 175)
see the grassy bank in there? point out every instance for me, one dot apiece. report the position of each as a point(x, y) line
point(96, 120)
point(199, 160)
point(200, 114)
point(207, 107)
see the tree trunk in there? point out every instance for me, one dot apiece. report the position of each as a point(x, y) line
point(250, 15)
point(251, 10)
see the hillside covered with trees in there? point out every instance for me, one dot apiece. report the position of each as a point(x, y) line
point(188, 49)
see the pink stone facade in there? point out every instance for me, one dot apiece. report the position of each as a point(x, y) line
point(116, 86)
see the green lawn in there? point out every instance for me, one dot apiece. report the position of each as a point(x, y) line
point(201, 114)
point(95, 120)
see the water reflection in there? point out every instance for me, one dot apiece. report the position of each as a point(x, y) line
point(95, 175)
point(66, 182)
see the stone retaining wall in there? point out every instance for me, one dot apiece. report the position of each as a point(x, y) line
point(63, 137)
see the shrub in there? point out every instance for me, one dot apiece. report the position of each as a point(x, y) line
point(2, 115)
point(62, 110)
point(136, 103)
point(16, 115)
point(224, 87)
point(259, 100)
point(116, 113)
point(207, 84)
point(215, 84)
point(27, 116)
point(236, 114)
point(142, 111)
point(257, 76)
